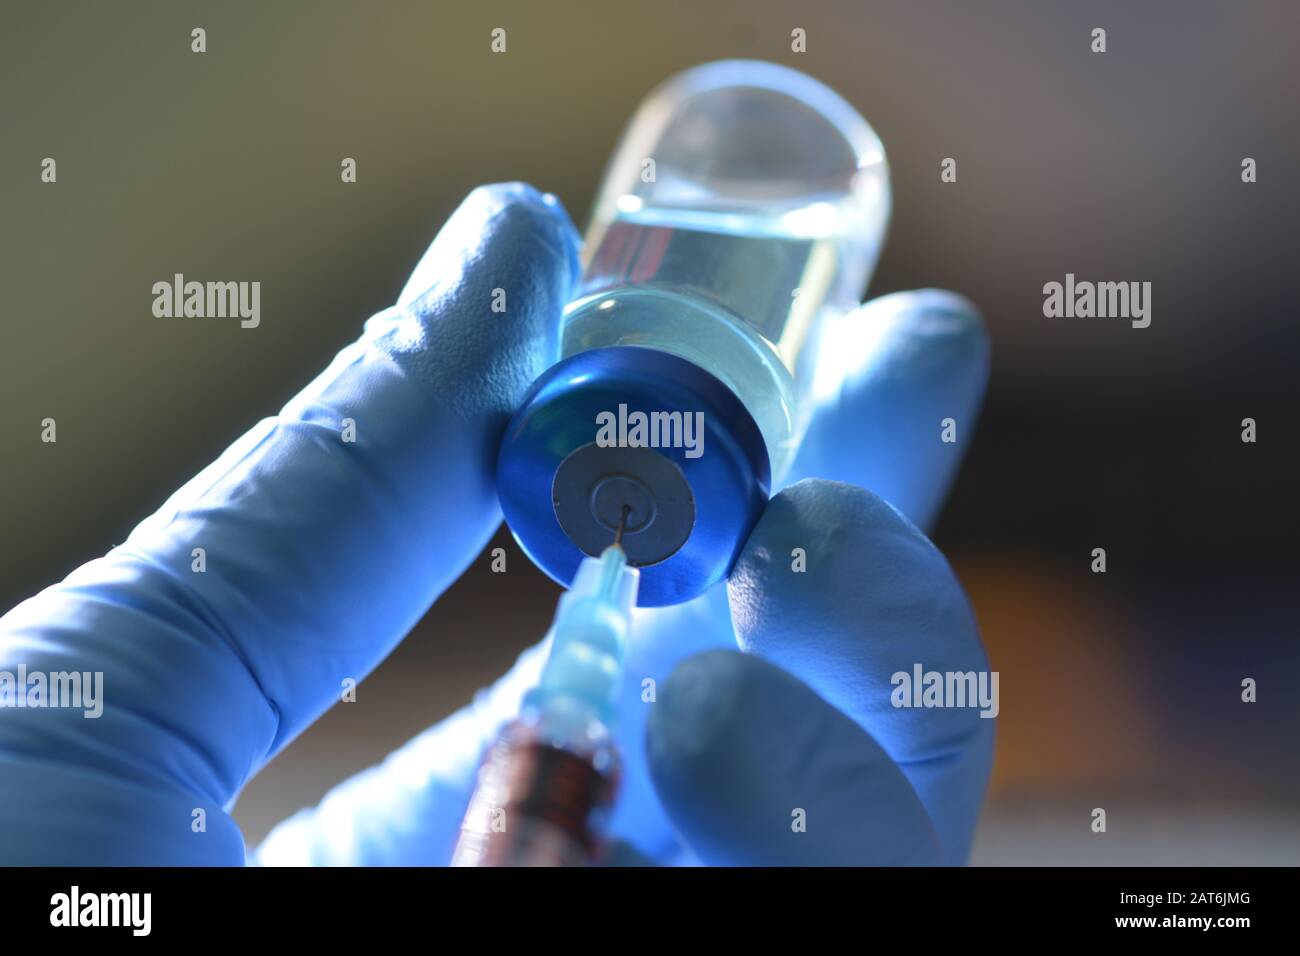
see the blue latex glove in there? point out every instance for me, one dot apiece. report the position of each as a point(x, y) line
point(321, 555)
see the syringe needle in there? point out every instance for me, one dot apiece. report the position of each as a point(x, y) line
point(622, 526)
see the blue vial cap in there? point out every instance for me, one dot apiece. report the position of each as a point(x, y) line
point(638, 437)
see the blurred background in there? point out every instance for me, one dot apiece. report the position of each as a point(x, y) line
point(1121, 690)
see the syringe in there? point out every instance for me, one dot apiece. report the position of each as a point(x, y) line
point(552, 772)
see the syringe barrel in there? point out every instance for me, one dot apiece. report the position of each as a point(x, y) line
point(537, 803)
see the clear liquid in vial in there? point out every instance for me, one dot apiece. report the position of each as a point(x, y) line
point(734, 292)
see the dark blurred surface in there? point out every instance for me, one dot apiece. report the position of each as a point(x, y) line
point(1122, 166)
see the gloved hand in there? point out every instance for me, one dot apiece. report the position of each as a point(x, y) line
point(321, 555)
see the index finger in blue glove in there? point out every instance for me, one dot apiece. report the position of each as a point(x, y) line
point(318, 552)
